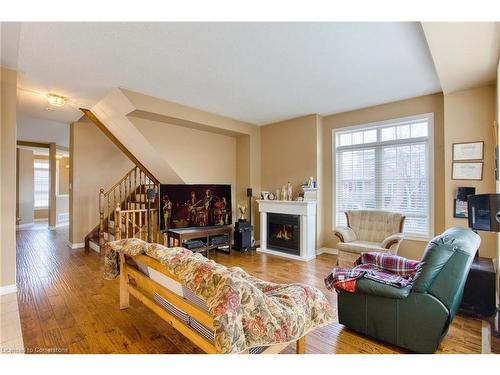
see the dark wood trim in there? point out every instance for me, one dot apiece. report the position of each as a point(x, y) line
point(339, 236)
point(466, 143)
point(33, 144)
point(390, 243)
point(402, 224)
point(467, 162)
point(118, 144)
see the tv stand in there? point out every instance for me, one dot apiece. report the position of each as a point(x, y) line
point(176, 236)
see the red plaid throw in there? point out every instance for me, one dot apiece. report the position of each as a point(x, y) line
point(381, 267)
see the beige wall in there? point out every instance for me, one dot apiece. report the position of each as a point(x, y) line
point(468, 117)
point(25, 186)
point(288, 153)
point(95, 162)
point(291, 151)
point(198, 157)
point(415, 106)
point(8, 80)
point(62, 209)
point(63, 176)
point(41, 214)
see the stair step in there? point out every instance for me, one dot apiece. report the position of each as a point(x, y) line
point(94, 244)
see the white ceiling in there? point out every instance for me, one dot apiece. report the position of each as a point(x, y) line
point(257, 72)
point(465, 53)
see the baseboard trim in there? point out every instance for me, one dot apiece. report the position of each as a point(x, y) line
point(78, 245)
point(8, 289)
point(27, 225)
point(327, 250)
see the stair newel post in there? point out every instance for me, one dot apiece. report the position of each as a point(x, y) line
point(118, 222)
point(101, 217)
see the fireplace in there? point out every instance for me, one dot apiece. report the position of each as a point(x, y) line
point(283, 233)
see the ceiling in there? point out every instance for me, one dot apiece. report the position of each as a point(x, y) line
point(256, 72)
point(36, 129)
point(465, 53)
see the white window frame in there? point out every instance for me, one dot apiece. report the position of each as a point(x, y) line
point(48, 171)
point(430, 158)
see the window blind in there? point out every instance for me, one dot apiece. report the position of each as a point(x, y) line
point(41, 183)
point(386, 167)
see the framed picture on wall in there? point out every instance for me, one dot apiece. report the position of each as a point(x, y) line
point(468, 151)
point(467, 171)
point(460, 209)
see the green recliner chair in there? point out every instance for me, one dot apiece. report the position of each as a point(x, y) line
point(416, 317)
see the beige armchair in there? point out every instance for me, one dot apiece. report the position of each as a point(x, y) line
point(366, 231)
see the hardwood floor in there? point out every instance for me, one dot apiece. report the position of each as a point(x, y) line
point(66, 306)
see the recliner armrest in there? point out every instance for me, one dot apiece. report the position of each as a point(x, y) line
point(374, 288)
point(345, 234)
point(392, 239)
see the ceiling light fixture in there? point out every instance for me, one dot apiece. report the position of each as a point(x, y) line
point(56, 100)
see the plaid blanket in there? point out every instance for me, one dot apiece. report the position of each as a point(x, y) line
point(384, 268)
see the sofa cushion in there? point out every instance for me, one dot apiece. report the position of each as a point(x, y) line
point(361, 247)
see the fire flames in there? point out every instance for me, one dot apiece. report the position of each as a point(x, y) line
point(285, 233)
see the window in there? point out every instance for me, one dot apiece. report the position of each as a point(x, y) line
point(386, 166)
point(41, 180)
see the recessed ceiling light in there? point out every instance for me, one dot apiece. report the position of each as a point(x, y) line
point(56, 100)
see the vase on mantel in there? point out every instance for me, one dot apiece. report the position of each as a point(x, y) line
point(289, 191)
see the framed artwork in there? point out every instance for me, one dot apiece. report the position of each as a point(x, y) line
point(468, 151)
point(467, 171)
point(460, 210)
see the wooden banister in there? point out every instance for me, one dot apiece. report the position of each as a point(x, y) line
point(120, 201)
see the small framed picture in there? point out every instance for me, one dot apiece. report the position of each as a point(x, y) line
point(467, 171)
point(468, 151)
point(460, 209)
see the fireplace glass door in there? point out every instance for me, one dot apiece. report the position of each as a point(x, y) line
point(283, 233)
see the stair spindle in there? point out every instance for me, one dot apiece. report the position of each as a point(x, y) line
point(118, 234)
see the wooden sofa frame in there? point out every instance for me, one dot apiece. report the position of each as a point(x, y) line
point(143, 288)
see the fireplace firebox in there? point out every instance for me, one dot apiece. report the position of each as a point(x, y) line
point(283, 233)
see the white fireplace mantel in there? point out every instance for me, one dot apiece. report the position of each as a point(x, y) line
point(307, 212)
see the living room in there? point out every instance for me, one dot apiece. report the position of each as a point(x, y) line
point(223, 202)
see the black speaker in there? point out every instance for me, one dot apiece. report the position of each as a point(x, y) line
point(479, 292)
point(242, 236)
point(249, 192)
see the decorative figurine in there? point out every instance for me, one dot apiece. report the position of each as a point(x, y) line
point(310, 183)
point(289, 191)
point(243, 209)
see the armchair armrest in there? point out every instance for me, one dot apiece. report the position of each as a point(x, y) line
point(374, 288)
point(392, 240)
point(345, 234)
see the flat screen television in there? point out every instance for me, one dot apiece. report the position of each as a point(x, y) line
point(483, 209)
point(187, 206)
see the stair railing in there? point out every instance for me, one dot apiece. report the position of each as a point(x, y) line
point(134, 224)
point(128, 194)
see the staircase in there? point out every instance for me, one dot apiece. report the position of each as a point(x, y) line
point(123, 209)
